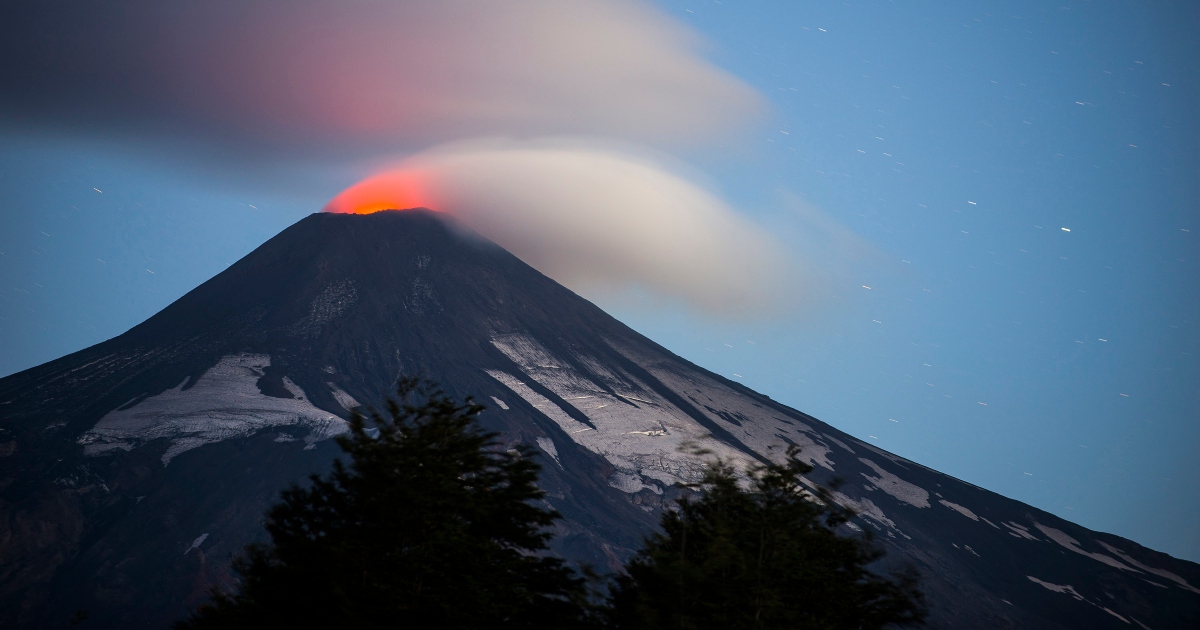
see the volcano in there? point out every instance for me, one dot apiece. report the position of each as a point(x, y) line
point(131, 472)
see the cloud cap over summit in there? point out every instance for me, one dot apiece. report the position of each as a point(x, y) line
point(596, 219)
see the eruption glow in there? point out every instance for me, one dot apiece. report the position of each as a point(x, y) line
point(397, 189)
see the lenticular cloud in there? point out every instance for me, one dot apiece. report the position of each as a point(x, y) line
point(593, 219)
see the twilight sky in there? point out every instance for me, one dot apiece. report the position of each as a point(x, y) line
point(966, 232)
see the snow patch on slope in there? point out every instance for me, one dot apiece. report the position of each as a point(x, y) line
point(632, 427)
point(540, 402)
point(225, 403)
point(839, 443)
point(525, 352)
point(614, 437)
point(1067, 541)
point(640, 432)
point(868, 511)
point(1159, 572)
point(196, 543)
point(759, 427)
point(1066, 589)
point(960, 509)
point(547, 444)
point(1019, 530)
point(895, 486)
point(348, 402)
point(895, 459)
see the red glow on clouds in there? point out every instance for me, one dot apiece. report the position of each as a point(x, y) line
point(390, 190)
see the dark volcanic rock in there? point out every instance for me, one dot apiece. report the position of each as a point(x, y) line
point(132, 471)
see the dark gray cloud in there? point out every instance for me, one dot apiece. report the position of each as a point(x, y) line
point(379, 74)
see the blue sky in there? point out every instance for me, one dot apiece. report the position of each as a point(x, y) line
point(951, 143)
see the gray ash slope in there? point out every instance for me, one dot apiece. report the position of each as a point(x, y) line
point(131, 471)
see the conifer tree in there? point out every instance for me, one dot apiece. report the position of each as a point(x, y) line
point(764, 556)
point(430, 524)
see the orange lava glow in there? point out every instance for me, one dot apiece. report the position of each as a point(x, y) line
point(399, 189)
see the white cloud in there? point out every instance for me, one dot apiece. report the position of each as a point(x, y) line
point(594, 218)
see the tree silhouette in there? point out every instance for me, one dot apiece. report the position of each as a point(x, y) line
point(431, 524)
point(763, 556)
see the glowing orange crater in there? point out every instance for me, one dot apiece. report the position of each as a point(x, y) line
point(398, 189)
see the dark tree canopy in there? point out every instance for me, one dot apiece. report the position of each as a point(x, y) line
point(766, 556)
point(431, 524)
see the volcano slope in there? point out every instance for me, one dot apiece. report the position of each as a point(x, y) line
point(132, 471)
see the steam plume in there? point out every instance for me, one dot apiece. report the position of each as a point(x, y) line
point(593, 218)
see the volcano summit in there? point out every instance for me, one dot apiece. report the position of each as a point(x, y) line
point(133, 470)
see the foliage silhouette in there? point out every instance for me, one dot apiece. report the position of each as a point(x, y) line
point(432, 524)
point(763, 556)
